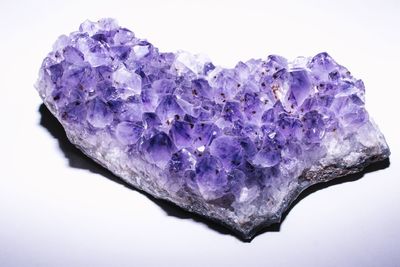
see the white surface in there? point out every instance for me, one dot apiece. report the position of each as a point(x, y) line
point(52, 214)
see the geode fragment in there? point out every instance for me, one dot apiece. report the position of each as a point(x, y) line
point(236, 145)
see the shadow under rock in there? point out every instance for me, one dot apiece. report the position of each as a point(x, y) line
point(77, 159)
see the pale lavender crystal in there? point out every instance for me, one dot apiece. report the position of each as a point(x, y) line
point(236, 145)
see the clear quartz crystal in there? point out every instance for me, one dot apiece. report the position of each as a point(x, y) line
point(236, 145)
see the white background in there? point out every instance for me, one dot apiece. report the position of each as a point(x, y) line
point(59, 209)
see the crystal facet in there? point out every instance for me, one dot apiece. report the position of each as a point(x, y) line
point(237, 145)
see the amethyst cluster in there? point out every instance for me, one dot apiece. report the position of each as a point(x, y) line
point(236, 145)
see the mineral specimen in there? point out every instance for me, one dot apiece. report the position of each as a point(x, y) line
point(236, 145)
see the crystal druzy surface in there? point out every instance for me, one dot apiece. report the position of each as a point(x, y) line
point(236, 145)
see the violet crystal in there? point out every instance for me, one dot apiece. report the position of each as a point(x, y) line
point(236, 145)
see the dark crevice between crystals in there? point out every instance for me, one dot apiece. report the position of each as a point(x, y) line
point(78, 159)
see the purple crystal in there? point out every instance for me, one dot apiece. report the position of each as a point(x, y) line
point(228, 150)
point(300, 86)
point(181, 134)
point(99, 114)
point(128, 133)
point(168, 108)
point(158, 149)
point(210, 177)
point(237, 145)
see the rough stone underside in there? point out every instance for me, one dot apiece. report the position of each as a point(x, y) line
point(236, 145)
